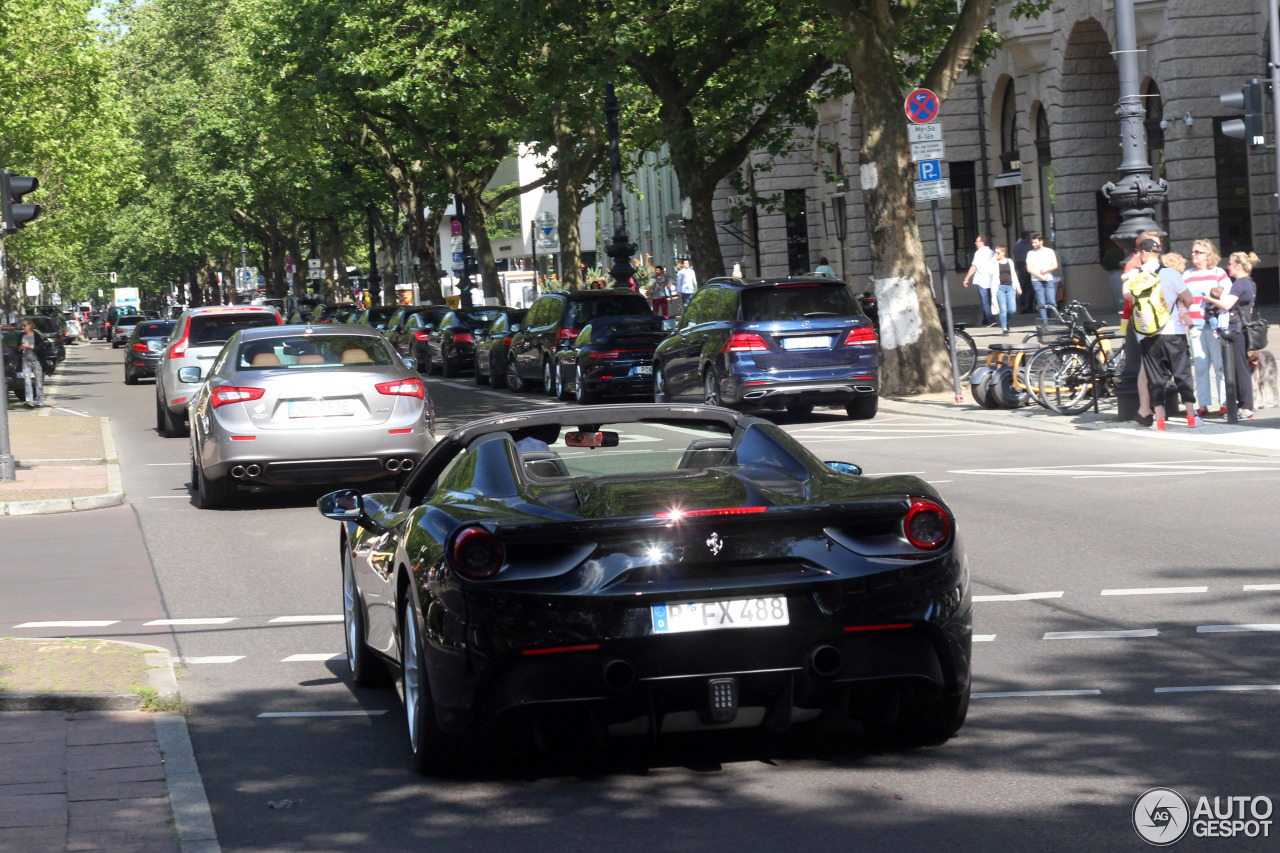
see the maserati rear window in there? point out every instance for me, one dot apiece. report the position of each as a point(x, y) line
point(313, 351)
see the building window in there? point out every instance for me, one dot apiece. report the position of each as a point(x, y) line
point(1235, 220)
point(1044, 170)
point(794, 206)
point(964, 212)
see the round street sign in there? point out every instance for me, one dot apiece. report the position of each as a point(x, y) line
point(922, 106)
point(455, 228)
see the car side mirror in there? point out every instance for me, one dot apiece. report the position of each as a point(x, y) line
point(669, 324)
point(346, 505)
point(410, 362)
point(189, 375)
point(845, 468)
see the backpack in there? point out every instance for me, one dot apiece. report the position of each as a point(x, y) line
point(1149, 311)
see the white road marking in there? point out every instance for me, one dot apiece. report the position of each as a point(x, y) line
point(1262, 587)
point(165, 464)
point(1019, 694)
point(75, 623)
point(1221, 688)
point(1120, 469)
point(809, 440)
point(1157, 590)
point(1101, 635)
point(892, 473)
point(278, 714)
point(222, 620)
point(1020, 596)
point(212, 659)
point(984, 638)
point(307, 658)
point(1235, 629)
point(937, 482)
point(337, 618)
point(71, 411)
point(169, 497)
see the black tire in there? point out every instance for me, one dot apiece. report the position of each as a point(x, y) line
point(548, 378)
point(213, 492)
point(711, 388)
point(173, 427)
point(661, 393)
point(514, 380)
point(863, 408)
point(475, 374)
point(447, 366)
point(1004, 390)
point(561, 390)
point(435, 752)
point(497, 377)
point(966, 353)
point(367, 669)
point(1066, 384)
point(800, 410)
point(160, 422)
point(433, 369)
point(978, 386)
point(580, 392)
point(115, 345)
point(129, 378)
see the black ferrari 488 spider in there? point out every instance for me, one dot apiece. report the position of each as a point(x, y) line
point(648, 569)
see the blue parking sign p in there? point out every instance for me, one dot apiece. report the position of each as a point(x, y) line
point(930, 170)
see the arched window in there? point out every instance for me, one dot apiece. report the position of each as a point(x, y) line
point(1009, 182)
point(1044, 174)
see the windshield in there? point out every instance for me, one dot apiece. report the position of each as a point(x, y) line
point(632, 449)
point(218, 328)
point(311, 351)
point(161, 329)
point(477, 319)
point(585, 310)
point(797, 302)
point(130, 321)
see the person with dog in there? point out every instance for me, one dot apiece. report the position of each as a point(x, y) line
point(1165, 354)
point(1236, 309)
point(1206, 346)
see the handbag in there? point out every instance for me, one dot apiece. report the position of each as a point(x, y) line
point(1254, 330)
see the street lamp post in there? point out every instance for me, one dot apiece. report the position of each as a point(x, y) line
point(838, 213)
point(465, 297)
point(621, 249)
point(1136, 194)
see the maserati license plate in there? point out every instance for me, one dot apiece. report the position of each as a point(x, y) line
point(685, 616)
point(320, 408)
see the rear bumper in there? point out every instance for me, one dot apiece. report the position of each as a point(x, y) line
point(764, 390)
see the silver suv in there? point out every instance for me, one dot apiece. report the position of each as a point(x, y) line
point(198, 337)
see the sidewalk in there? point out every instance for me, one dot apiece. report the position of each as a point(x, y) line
point(1257, 437)
point(65, 462)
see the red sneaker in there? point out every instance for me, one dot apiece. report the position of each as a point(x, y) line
point(1222, 410)
point(1203, 412)
point(1160, 423)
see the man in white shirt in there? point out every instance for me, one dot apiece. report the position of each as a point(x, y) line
point(980, 274)
point(1042, 265)
point(687, 281)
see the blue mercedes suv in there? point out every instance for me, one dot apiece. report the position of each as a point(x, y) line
point(791, 343)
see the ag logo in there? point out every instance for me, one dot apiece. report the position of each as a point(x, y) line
point(1161, 817)
point(715, 543)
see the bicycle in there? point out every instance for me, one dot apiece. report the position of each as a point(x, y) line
point(1084, 341)
point(966, 350)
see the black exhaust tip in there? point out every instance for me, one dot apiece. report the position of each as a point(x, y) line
point(619, 675)
point(825, 661)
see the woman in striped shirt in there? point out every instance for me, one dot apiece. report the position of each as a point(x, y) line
point(1206, 347)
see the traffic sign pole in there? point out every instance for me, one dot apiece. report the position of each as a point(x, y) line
point(946, 300)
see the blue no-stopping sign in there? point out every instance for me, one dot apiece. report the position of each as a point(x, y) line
point(922, 106)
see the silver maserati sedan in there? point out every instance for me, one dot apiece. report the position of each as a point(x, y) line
point(294, 405)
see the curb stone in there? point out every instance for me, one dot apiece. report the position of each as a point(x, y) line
point(114, 496)
point(160, 678)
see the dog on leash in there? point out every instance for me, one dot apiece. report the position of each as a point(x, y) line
point(1262, 367)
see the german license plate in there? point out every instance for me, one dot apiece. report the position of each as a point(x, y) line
point(686, 616)
point(807, 342)
point(321, 408)
point(642, 370)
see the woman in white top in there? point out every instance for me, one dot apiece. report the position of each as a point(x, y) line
point(1206, 346)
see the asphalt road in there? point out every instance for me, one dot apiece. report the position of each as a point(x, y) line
point(1120, 588)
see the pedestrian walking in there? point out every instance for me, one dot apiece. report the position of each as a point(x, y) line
point(1020, 251)
point(824, 268)
point(1165, 354)
point(658, 290)
point(686, 281)
point(33, 348)
point(1042, 263)
point(1235, 309)
point(1007, 287)
point(980, 274)
point(1206, 346)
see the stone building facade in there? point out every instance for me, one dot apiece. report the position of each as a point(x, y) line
point(1032, 139)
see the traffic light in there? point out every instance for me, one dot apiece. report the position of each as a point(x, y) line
point(1249, 128)
point(13, 214)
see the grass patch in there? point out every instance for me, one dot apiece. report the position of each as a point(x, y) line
point(150, 700)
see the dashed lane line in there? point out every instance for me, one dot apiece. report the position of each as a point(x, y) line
point(1101, 635)
point(311, 657)
point(1262, 587)
point(1020, 596)
point(204, 659)
point(1235, 629)
point(327, 618)
point(282, 714)
point(220, 620)
point(1157, 590)
point(984, 638)
point(74, 623)
point(1221, 688)
point(1032, 694)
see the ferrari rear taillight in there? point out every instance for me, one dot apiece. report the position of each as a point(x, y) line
point(179, 349)
point(476, 554)
point(745, 342)
point(926, 525)
point(402, 388)
point(463, 338)
point(860, 335)
point(225, 394)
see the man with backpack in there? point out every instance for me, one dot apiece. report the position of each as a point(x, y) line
point(1161, 309)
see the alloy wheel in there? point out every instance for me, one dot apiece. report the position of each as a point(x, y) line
point(412, 674)
point(711, 395)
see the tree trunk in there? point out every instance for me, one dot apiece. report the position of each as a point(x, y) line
point(704, 239)
point(425, 235)
point(195, 293)
point(913, 358)
point(338, 286)
point(478, 225)
point(569, 228)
